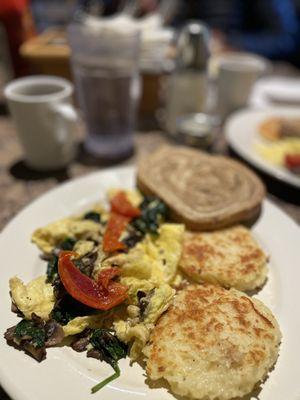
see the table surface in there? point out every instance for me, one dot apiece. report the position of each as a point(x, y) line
point(19, 185)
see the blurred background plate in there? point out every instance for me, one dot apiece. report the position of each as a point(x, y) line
point(242, 134)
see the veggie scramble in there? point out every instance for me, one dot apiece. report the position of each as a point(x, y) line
point(110, 274)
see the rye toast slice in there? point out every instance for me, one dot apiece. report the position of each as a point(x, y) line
point(204, 192)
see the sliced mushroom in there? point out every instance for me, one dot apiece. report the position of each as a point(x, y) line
point(54, 333)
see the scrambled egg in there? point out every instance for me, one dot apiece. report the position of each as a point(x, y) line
point(153, 259)
point(51, 235)
point(79, 324)
point(150, 265)
point(35, 297)
point(134, 196)
point(83, 247)
point(158, 303)
point(48, 237)
point(275, 152)
point(138, 329)
point(101, 319)
point(134, 285)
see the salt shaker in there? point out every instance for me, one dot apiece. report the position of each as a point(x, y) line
point(188, 85)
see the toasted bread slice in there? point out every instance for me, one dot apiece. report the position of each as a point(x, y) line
point(202, 191)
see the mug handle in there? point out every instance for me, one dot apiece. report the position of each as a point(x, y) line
point(65, 113)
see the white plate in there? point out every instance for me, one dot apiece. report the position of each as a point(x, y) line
point(66, 374)
point(242, 134)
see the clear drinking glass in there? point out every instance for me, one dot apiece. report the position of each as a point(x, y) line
point(105, 65)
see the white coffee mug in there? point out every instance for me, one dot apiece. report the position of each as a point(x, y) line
point(41, 107)
point(237, 73)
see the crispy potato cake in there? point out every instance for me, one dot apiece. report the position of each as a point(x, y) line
point(213, 343)
point(229, 257)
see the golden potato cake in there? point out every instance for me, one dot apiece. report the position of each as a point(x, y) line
point(213, 343)
point(270, 128)
point(229, 257)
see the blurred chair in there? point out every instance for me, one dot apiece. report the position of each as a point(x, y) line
point(266, 27)
point(5, 63)
point(5, 60)
point(49, 13)
point(17, 23)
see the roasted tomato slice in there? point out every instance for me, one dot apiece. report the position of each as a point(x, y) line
point(106, 283)
point(292, 161)
point(121, 205)
point(106, 275)
point(102, 294)
point(115, 226)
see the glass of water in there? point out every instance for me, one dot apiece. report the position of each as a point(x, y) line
point(105, 64)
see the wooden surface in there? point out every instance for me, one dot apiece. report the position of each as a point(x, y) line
point(20, 185)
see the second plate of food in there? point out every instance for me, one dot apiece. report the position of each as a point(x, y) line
point(269, 140)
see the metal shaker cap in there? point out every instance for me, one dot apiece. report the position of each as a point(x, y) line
point(193, 46)
point(198, 130)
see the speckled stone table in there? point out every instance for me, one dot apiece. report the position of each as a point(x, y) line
point(19, 185)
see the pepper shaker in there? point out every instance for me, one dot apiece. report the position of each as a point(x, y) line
point(188, 85)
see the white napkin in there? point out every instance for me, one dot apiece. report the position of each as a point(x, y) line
point(275, 90)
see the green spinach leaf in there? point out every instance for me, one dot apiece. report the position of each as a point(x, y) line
point(103, 383)
point(52, 269)
point(111, 350)
point(154, 212)
point(28, 329)
point(93, 216)
point(68, 308)
point(67, 244)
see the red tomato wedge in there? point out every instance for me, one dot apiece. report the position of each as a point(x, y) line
point(121, 205)
point(106, 283)
point(292, 160)
point(106, 276)
point(101, 295)
point(115, 226)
